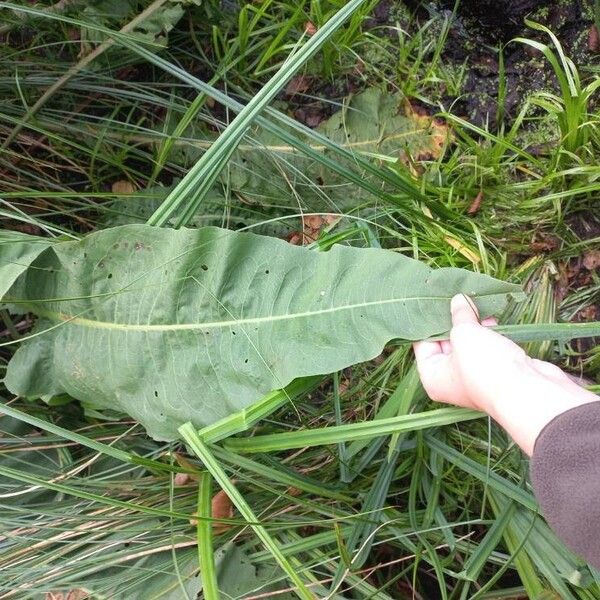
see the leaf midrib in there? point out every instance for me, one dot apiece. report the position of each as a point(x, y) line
point(57, 316)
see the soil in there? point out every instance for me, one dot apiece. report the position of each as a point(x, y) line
point(479, 28)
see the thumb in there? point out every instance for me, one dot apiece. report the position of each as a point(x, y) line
point(463, 310)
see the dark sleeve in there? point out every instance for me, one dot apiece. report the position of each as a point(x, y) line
point(565, 472)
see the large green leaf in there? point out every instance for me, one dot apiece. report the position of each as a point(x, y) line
point(17, 252)
point(265, 171)
point(172, 326)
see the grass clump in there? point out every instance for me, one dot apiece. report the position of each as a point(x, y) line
point(108, 117)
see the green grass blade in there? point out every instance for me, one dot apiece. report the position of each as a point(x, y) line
point(200, 449)
point(355, 431)
point(361, 538)
point(541, 332)
point(85, 441)
point(396, 179)
point(206, 555)
point(493, 480)
point(191, 190)
point(477, 561)
point(280, 474)
point(515, 541)
point(243, 420)
point(23, 477)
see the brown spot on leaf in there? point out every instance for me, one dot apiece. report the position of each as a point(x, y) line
point(434, 135)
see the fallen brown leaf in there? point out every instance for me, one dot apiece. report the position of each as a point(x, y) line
point(591, 260)
point(221, 508)
point(181, 479)
point(545, 243)
point(476, 204)
point(311, 228)
point(588, 313)
point(123, 187)
point(298, 85)
point(436, 130)
point(77, 594)
point(313, 222)
point(593, 39)
point(310, 28)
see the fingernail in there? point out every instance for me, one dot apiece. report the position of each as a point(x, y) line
point(471, 303)
point(458, 302)
point(461, 301)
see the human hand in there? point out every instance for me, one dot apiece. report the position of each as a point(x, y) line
point(481, 369)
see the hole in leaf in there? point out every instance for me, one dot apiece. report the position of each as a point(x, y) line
point(267, 271)
point(109, 276)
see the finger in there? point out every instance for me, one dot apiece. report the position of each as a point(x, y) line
point(425, 350)
point(463, 310)
point(489, 322)
point(434, 369)
point(446, 346)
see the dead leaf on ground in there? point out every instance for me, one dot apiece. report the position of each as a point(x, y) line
point(593, 39)
point(437, 133)
point(591, 260)
point(311, 117)
point(77, 594)
point(469, 254)
point(312, 225)
point(476, 204)
point(221, 508)
point(545, 243)
point(359, 67)
point(588, 313)
point(298, 85)
point(310, 28)
point(123, 187)
point(181, 479)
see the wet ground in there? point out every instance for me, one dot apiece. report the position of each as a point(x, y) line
point(480, 29)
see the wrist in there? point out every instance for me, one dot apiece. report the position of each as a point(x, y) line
point(525, 411)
